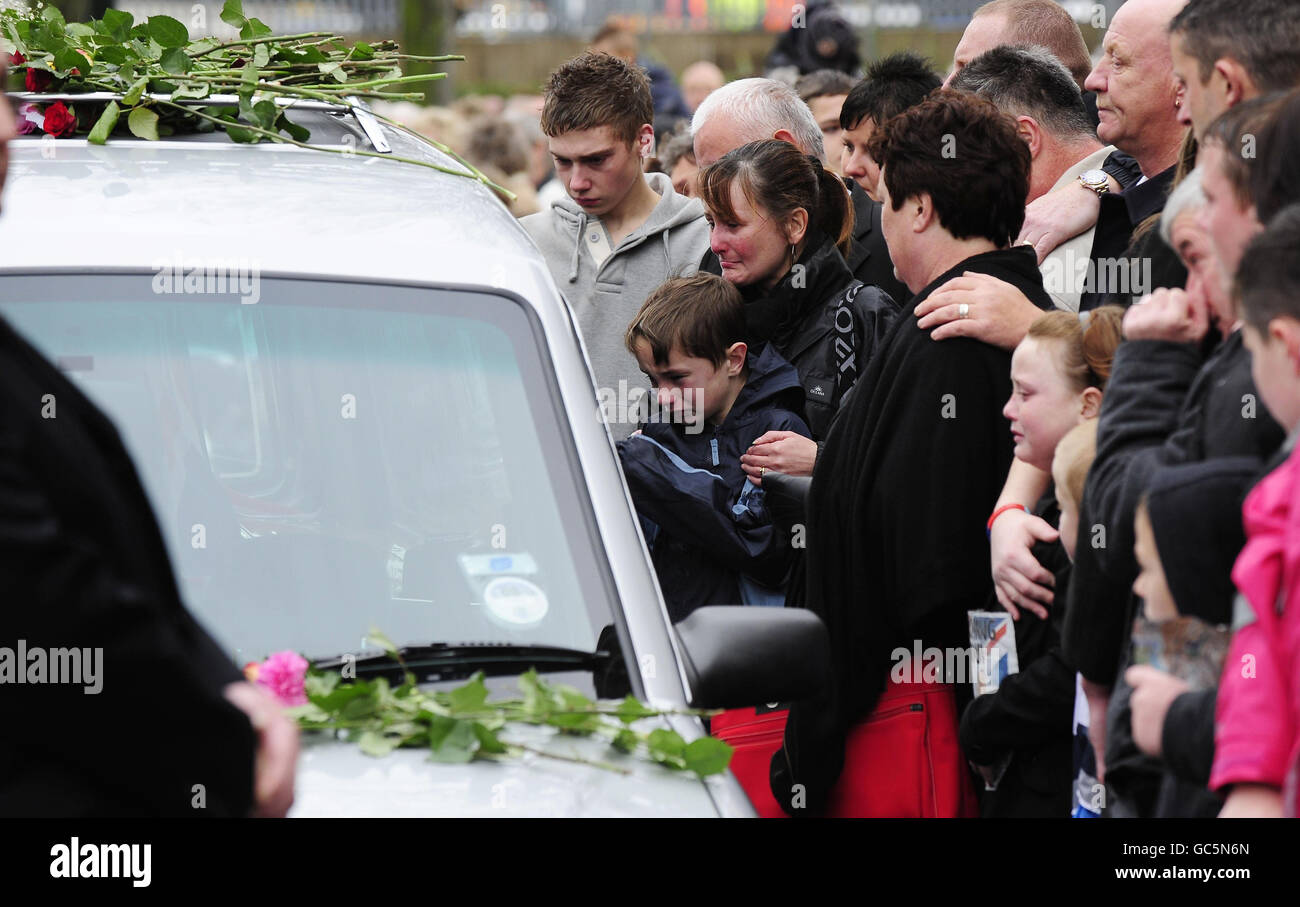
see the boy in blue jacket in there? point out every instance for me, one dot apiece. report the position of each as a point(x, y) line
point(711, 537)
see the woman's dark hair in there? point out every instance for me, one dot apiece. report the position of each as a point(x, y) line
point(966, 155)
point(777, 178)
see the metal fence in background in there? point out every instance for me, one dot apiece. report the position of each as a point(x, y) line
point(500, 18)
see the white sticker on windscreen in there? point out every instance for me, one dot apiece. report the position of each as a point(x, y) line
point(514, 602)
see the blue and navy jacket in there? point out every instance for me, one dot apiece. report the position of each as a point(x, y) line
point(711, 537)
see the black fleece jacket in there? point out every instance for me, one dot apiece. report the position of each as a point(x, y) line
point(896, 545)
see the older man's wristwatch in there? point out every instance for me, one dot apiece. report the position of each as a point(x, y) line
point(1096, 180)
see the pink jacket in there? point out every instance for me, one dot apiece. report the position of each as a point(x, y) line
point(1257, 735)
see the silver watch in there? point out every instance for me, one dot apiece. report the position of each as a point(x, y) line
point(1096, 180)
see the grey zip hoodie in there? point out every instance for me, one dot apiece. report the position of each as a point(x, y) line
point(605, 299)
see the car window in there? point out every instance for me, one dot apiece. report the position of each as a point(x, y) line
point(338, 456)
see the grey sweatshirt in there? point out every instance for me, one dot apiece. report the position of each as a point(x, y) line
point(605, 297)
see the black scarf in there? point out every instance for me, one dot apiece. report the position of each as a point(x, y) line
point(776, 315)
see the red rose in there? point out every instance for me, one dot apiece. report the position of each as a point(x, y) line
point(17, 59)
point(59, 121)
point(38, 80)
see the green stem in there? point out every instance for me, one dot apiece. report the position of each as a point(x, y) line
point(267, 39)
point(575, 759)
point(345, 151)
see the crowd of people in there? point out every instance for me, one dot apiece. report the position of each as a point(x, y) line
point(1020, 343)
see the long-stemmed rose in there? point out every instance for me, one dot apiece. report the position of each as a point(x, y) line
point(157, 74)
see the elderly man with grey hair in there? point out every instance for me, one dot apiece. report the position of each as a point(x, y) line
point(750, 110)
point(1032, 86)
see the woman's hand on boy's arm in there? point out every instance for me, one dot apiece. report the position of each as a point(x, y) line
point(779, 451)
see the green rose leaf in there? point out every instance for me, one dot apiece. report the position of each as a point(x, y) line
point(334, 70)
point(707, 756)
point(470, 696)
point(233, 13)
point(373, 743)
point(140, 31)
point(52, 14)
point(361, 51)
point(68, 59)
point(168, 32)
point(625, 741)
point(103, 127)
point(666, 748)
point(195, 90)
point(134, 93)
point(80, 30)
point(261, 55)
point(254, 28)
point(360, 706)
point(452, 740)
point(631, 709)
point(117, 24)
point(112, 53)
point(487, 739)
point(143, 123)
point(239, 134)
point(317, 683)
point(175, 61)
point(264, 115)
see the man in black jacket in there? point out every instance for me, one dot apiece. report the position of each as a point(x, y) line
point(171, 729)
point(896, 547)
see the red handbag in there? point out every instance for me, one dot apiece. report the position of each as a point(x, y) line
point(901, 761)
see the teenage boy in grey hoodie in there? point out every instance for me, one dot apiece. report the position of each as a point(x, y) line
point(620, 232)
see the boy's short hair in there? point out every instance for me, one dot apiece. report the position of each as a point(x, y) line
point(594, 90)
point(702, 315)
point(1236, 132)
point(890, 86)
point(1074, 455)
point(1267, 283)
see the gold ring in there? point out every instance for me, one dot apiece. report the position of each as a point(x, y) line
point(762, 471)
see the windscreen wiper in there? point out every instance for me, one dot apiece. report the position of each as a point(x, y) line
point(453, 661)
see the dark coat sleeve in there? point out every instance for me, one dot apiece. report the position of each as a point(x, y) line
point(698, 507)
point(159, 726)
point(1188, 736)
point(1030, 708)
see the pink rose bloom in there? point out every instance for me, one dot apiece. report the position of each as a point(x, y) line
point(282, 675)
point(29, 119)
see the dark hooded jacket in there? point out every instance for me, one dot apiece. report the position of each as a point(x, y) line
point(1195, 513)
point(1029, 716)
point(827, 324)
point(896, 544)
point(798, 46)
point(711, 537)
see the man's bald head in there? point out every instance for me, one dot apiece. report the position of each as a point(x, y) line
point(699, 80)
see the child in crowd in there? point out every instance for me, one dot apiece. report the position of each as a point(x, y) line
point(1017, 736)
point(1187, 532)
point(1257, 741)
point(710, 534)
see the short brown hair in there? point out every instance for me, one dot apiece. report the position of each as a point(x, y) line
point(1072, 460)
point(1274, 178)
point(701, 315)
point(1088, 342)
point(1046, 24)
point(967, 155)
point(594, 90)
